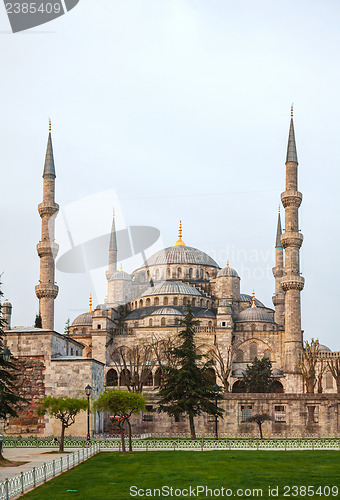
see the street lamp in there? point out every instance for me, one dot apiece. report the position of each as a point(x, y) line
point(88, 392)
point(6, 355)
point(217, 390)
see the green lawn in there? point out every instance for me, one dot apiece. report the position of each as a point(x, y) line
point(109, 475)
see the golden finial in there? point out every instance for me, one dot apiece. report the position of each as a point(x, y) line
point(179, 242)
point(114, 213)
point(291, 111)
point(90, 304)
point(279, 208)
point(49, 125)
point(121, 268)
point(227, 264)
point(253, 300)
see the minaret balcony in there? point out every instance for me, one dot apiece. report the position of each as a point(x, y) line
point(48, 208)
point(292, 282)
point(291, 239)
point(46, 248)
point(46, 290)
point(291, 199)
point(278, 299)
point(277, 272)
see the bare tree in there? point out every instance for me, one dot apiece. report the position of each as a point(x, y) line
point(134, 365)
point(334, 367)
point(222, 364)
point(322, 367)
point(307, 360)
point(259, 419)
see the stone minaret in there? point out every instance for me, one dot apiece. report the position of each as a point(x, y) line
point(47, 249)
point(278, 297)
point(292, 283)
point(112, 262)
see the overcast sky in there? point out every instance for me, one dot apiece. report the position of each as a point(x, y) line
point(174, 109)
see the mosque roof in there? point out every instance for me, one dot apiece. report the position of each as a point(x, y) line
point(166, 310)
point(172, 288)
point(121, 275)
point(227, 271)
point(180, 255)
point(324, 348)
point(84, 319)
point(247, 298)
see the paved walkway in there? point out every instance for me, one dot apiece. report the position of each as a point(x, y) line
point(33, 456)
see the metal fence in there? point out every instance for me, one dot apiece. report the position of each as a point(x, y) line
point(32, 478)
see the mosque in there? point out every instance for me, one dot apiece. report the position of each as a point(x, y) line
point(147, 306)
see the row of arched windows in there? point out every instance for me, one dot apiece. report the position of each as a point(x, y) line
point(164, 322)
point(254, 327)
point(165, 301)
point(179, 273)
point(253, 352)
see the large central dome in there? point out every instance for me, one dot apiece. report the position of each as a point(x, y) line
point(180, 255)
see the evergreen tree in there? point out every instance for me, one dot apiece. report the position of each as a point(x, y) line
point(9, 399)
point(186, 388)
point(38, 321)
point(67, 326)
point(258, 376)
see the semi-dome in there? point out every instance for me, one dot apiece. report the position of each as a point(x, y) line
point(172, 288)
point(84, 319)
point(162, 311)
point(204, 313)
point(252, 314)
point(324, 348)
point(180, 255)
point(101, 307)
point(247, 298)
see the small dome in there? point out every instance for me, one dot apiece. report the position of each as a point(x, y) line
point(254, 314)
point(166, 310)
point(84, 319)
point(121, 275)
point(324, 348)
point(247, 298)
point(172, 288)
point(6, 303)
point(227, 271)
point(101, 307)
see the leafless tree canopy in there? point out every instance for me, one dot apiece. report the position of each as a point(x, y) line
point(307, 360)
point(334, 367)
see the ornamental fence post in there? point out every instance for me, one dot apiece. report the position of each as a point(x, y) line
point(34, 477)
point(61, 464)
point(6, 489)
point(53, 465)
point(45, 472)
point(22, 482)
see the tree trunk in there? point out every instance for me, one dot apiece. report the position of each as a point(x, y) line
point(130, 437)
point(62, 438)
point(319, 385)
point(260, 428)
point(192, 428)
point(338, 384)
point(123, 441)
point(311, 411)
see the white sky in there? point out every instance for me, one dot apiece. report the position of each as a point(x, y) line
point(182, 108)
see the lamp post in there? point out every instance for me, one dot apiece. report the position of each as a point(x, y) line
point(6, 355)
point(88, 392)
point(217, 390)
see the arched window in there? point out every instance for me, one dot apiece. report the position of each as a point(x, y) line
point(136, 324)
point(267, 354)
point(168, 273)
point(239, 356)
point(150, 322)
point(179, 273)
point(201, 302)
point(207, 276)
point(141, 303)
point(210, 375)
point(264, 328)
point(83, 330)
point(253, 327)
point(147, 378)
point(241, 328)
point(329, 380)
point(190, 273)
point(136, 304)
point(209, 324)
point(148, 302)
point(111, 378)
point(184, 301)
point(163, 322)
point(175, 301)
point(193, 302)
point(252, 351)
point(125, 378)
point(156, 301)
point(157, 274)
point(176, 321)
point(71, 351)
point(158, 377)
point(165, 301)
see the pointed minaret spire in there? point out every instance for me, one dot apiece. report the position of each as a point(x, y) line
point(113, 251)
point(49, 170)
point(47, 290)
point(278, 243)
point(291, 148)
